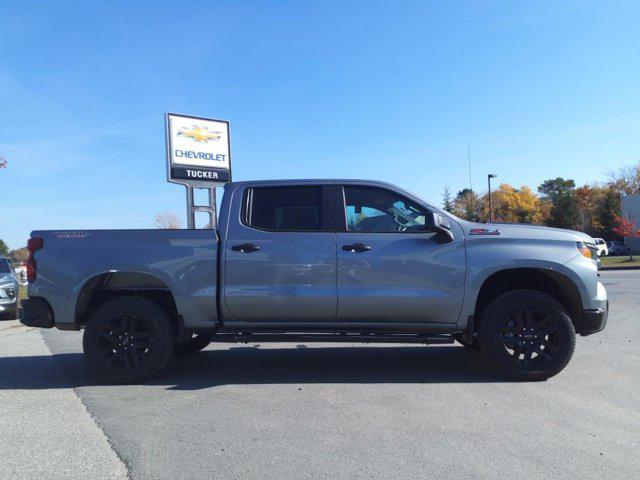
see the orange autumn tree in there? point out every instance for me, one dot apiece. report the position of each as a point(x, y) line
point(513, 205)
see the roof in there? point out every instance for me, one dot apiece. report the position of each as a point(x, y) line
point(303, 181)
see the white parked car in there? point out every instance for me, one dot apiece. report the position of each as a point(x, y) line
point(601, 245)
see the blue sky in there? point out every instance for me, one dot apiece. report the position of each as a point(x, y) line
point(382, 90)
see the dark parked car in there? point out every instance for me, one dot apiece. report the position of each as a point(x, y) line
point(8, 290)
point(617, 247)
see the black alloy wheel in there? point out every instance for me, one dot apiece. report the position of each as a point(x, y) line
point(526, 335)
point(128, 339)
point(124, 340)
point(530, 337)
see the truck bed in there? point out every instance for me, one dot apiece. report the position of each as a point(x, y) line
point(184, 261)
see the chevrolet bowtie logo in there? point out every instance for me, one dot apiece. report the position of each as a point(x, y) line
point(199, 134)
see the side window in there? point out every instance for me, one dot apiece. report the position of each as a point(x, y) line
point(286, 209)
point(377, 210)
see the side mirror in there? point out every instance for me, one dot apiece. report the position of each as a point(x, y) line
point(443, 226)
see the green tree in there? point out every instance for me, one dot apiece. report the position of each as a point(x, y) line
point(447, 201)
point(4, 249)
point(607, 212)
point(564, 209)
point(19, 255)
point(468, 205)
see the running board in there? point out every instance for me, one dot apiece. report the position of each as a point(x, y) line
point(242, 337)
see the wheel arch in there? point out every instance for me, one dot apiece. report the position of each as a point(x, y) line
point(108, 285)
point(549, 281)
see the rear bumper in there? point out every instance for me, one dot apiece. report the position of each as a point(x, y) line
point(594, 320)
point(36, 312)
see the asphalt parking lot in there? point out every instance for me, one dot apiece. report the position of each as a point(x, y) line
point(326, 411)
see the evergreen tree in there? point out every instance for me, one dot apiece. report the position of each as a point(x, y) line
point(564, 209)
point(447, 202)
point(607, 213)
point(468, 205)
point(4, 249)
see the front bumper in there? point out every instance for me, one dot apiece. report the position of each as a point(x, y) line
point(8, 298)
point(8, 307)
point(36, 312)
point(594, 320)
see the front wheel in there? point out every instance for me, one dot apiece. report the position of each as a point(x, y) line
point(128, 340)
point(527, 335)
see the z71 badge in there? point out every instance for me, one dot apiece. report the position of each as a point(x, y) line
point(484, 231)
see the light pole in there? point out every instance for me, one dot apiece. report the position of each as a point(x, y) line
point(489, 177)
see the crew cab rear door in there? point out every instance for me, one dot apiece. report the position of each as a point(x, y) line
point(393, 267)
point(280, 255)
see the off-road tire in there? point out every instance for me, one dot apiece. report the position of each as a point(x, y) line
point(128, 351)
point(197, 342)
point(544, 329)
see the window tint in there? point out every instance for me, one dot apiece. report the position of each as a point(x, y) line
point(285, 209)
point(378, 210)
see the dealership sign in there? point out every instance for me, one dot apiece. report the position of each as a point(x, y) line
point(198, 150)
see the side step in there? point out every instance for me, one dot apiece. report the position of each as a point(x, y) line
point(247, 337)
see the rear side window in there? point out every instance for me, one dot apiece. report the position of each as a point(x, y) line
point(287, 209)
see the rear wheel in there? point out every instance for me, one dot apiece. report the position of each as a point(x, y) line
point(128, 339)
point(527, 335)
point(197, 342)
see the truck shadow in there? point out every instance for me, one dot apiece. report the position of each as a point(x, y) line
point(255, 365)
point(251, 365)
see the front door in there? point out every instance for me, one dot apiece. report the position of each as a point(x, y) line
point(392, 265)
point(280, 259)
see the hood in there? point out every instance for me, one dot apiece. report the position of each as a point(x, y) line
point(517, 230)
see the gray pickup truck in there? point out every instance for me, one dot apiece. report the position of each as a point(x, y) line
point(325, 261)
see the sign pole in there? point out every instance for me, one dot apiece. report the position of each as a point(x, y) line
point(191, 220)
point(213, 222)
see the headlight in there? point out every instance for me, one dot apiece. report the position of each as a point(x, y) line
point(11, 292)
point(588, 250)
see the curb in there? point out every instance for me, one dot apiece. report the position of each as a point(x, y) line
point(620, 268)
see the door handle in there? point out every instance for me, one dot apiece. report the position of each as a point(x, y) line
point(246, 248)
point(356, 247)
